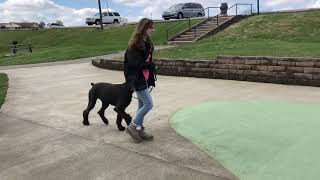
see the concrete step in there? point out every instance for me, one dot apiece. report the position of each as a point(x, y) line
point(213, 23)
point(204, 29)
point(200, 31)
point(192, 33)
point(183, 39)
point(188, 35)
point(207, 26)
point(178, 42)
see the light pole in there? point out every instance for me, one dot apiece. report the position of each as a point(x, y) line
point(258, 6)
point(108, 5)
point(101, 20)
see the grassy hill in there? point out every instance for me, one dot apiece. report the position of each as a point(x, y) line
point(64, 44)
point(290, 34)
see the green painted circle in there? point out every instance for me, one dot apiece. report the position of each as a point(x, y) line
point(256, 140)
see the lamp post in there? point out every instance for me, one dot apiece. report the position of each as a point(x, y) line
point(101, 20)
point(108, 5)
point(258, 6)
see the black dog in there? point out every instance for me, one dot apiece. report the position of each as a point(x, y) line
point(118, 95)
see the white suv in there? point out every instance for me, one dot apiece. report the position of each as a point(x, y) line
point(107, 17)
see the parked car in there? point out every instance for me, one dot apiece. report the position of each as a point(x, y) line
point(107, 17)
point(184, 10)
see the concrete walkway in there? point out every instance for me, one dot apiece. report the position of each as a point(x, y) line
point(42, 136)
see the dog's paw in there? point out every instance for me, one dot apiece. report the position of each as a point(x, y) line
point(121, 128)
point(86, 123)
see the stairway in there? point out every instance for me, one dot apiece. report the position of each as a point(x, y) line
point(201, 30)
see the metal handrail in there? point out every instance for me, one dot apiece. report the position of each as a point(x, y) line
point(235, 5)
point(195, 29)
point(188, 18)
point(208, 8)
point(217, 16)
point(208, 14)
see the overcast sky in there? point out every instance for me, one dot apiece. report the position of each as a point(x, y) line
point(74, 12)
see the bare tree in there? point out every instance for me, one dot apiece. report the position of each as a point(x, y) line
point(42, 24)
point(59, 22)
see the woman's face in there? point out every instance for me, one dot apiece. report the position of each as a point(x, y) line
point(150, 31)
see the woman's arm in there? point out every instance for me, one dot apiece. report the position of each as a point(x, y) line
point(135, 59)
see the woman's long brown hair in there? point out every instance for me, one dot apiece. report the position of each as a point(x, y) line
point(136, 40)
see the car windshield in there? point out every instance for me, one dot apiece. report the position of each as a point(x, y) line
point(176, 6)
point(98, 14)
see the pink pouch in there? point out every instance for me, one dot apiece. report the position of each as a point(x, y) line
point(146, 72)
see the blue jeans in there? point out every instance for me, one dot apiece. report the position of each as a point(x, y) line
point(145, 104)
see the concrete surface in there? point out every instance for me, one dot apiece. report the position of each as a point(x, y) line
point(42, 133)
point(42, 136)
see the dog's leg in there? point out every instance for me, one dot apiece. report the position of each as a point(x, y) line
point(127, 118)
point(122, 114)
point(101, 113)
point(119, 119)
point(91, 104)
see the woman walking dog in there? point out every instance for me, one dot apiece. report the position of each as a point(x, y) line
point(139, 72)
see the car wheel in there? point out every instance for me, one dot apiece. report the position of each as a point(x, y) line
point(97, 22)
point(180, 15)
point(166, 19)
point(199, 15)
point(116, 21)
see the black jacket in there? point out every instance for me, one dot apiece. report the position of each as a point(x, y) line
point(134, 64)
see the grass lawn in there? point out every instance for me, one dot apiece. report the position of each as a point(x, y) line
point(292, 34)
point(65, 44)
point(256, 140)
point(3, 87)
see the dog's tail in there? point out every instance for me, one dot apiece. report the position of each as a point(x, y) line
point(92, 84)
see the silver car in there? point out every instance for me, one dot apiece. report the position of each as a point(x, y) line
point(183, 10)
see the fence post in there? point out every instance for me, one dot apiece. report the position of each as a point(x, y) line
point(208, 13)
point(217, 20)
point(167, 35)
point(251, 9)
point(189, 23)
point(30, 48)
point(15, 49)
